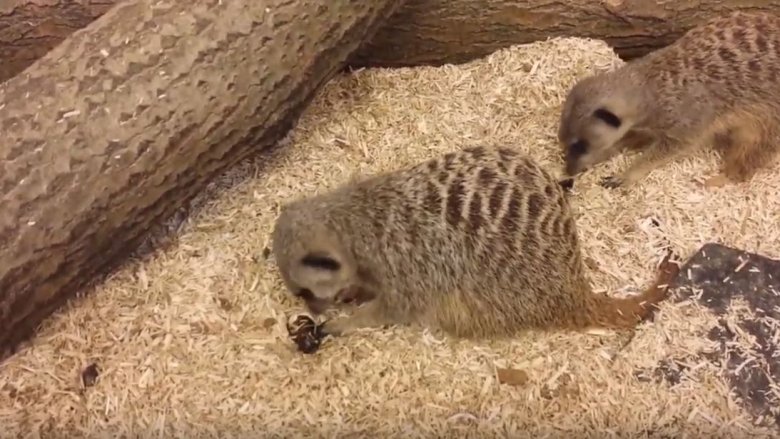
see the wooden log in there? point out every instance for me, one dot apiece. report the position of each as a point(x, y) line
point(30, 28)
point(434, 32)
point(119, 126)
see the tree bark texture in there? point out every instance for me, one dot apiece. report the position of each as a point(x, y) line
point(119, 126)
point(424, 32)
point(434, 32)
point(30, 28)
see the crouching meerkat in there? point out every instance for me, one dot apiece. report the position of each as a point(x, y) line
point(717, 86)
point(478, 243)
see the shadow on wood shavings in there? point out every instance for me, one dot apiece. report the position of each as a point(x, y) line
point(743, 290)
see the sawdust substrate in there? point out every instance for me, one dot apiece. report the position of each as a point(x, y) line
point(193, 340)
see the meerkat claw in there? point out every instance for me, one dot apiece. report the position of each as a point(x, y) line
point(334, 328)
point(611, 182)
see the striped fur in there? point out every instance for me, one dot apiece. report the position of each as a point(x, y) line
point(479, 242)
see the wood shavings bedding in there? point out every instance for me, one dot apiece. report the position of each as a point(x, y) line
point(194, 341)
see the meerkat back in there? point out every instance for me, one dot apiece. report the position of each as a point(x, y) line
point(509, 241)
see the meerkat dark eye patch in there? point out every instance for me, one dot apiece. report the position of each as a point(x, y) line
point(578, 148)
point(321, 262)
point(607, 117)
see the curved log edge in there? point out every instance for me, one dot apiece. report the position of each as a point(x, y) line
point(435, 32)
point(423, 32)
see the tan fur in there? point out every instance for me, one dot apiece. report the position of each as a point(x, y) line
point(479, 242)
point(717, 86)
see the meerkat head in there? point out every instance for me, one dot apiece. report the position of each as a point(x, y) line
point(598, 112)
point(313, 262)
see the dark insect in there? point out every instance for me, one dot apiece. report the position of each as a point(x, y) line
point(89, 375)
point(306, 334)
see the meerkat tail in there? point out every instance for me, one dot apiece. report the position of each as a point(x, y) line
point(622, 313)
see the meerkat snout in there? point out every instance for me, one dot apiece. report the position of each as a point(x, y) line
point(315, 305)
point(322, 279)
point(573, 157)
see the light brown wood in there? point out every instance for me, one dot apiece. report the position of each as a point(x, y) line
point(30, 28)
point(119, 126)
point(422, 32)
point(434, 32)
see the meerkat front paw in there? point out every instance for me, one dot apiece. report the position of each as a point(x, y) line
point(363, 317)
point(338, 326)
point(612, 182)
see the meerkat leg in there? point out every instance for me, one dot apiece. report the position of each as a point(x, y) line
point(370, 315)
point(750, 146)
point(657, 155)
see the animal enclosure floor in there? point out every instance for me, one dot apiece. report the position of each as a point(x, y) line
point(193, 341)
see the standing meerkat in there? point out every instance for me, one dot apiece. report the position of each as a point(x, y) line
point(717, 86)
point(478, 243)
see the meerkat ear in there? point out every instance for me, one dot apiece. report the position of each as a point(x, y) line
point(321, 261)
point(607, 117)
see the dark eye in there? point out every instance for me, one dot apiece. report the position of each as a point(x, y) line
point(607, 117)
point(305, 294)
point(323, 262)
point(578, 148)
